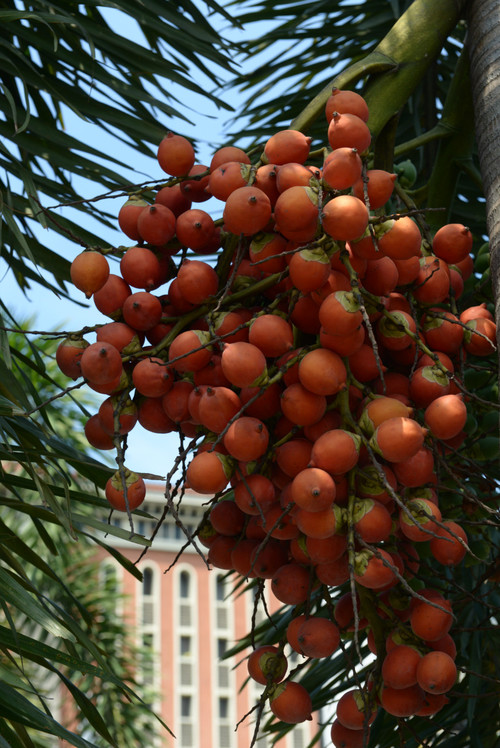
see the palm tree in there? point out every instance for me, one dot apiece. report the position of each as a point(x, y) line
point(413, 62)
point(64, 62)
point(410, 61)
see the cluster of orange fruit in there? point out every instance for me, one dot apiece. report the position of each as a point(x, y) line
point(316, 362)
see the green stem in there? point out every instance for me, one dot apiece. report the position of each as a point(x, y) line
point(372, 64)
point(369, 611)
point(455, 151)
point(438, 132)
point(413, 43)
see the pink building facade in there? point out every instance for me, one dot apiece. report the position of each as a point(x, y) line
point(188, 616)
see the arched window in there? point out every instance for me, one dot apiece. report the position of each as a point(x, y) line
point(184, 584)
point(147, 582)
point(256, 610)
point(223, 682)
point(149, 626)
point(186, 644)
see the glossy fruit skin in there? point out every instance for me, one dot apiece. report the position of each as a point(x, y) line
point(207, 473)
point(318, 637)
point(398, 438)
point(480, 335)
point(402, 702)
point(100, 363)
point(196, 188)
point(296, 209)
point(340, 314)
point(313, 489)
point(373, 522)
point(346, 101)
point(355, 710)
point(124, 338)
point(291, 703)
point(152, 377)
point(112, 409)
point(436, 672)
point(379, 187)
point(152, 417)
point(217, 407)
point(286, 146)
point(227, 518)
point(228, 153)
point(345, 737)
point(301, 406)
point(342, 168)
point(142, 310)
point(431, 620)
point(175, 155)
point(293, 174)
point(336, 451)
point(291, 583)
point(267, 665)
point(141, 268)
point(197, 281)
point(432, 284)
point(446, 547)
point(272, 334)
point(442, 331)
point(68, 355)
point(195, 228)
point(348, 130)
point(446, 416)
point(156, 224)
point(247, 210)
point(128, 215)
point(345, 217)
point(399, 668)
point(110, 298)
point(417, 519)
point(374, 570)
point(226, 178)
point(402, 241)
point(452, 242)
point(171, 197)
point(115, 493)
point(246, 439)
point(96, 435)
point(89, 272)
point(188, 351)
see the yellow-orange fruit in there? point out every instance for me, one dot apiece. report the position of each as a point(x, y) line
point(286, 146)
point(344, 217)
point(89, 272)
point(247, 211)
point(398, 438)
point(175, 155)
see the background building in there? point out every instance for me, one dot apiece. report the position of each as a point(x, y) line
point(189, 617)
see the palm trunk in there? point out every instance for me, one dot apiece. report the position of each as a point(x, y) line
point(484, 51)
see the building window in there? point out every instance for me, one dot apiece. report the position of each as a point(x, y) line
point(184, 584)
point(224, 686)
point(223, 708)
point(186, 706)
point(221, 648)
point(220, 586)
point(147, 582)
point(186, 661)
point(148, 618)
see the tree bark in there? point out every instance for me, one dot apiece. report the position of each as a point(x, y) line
point(484, 52)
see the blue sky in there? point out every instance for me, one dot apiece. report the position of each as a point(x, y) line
point(150, 453)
